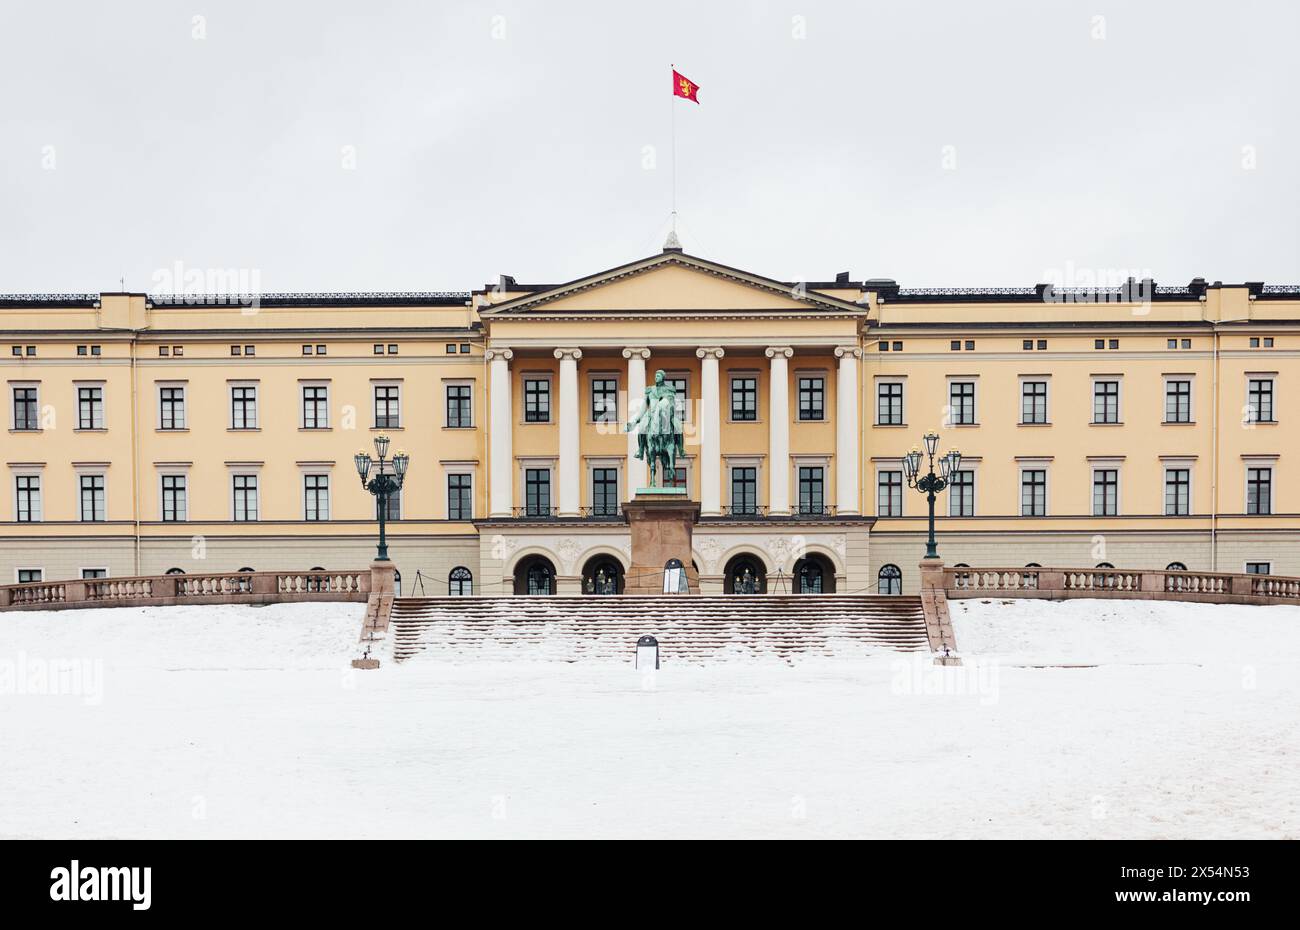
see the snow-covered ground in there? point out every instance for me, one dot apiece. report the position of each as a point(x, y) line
point(241, 721)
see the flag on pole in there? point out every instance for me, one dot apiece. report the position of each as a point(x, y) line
point(685, 87)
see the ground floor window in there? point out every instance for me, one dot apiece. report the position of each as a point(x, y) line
point(460, 583)
point(1259, 568)
point(890, 580)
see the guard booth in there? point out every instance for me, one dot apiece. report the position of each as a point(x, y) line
point(675, 581)
point(647, 653)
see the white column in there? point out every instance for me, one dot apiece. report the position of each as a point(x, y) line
point(636, 359)
point(570, 412)
point(501, 482)
point(846, 431)
point(778, 431)
point(710, 433)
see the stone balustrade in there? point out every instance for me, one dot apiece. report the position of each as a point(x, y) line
point(1061, 583)
point(193, 588)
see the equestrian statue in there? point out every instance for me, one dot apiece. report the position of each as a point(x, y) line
point(659, 430)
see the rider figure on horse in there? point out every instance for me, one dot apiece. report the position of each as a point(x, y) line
point(659, 429)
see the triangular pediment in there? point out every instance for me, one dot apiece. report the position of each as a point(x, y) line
point(672, 282)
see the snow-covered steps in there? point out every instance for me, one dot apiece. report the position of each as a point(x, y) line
point(688, 627)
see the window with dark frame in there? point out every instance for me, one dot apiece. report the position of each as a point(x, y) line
point(812, 398)
point(604, 492)
point(27, 490)
point(961, 400)
point(961, 493)
point(245, 492)
point(537, 400)
point(90, 408)
point(173, 499)
point(387, 406)
point(604, 400)
point(889, 403)
point(1259, 491)
point(1178, 401)
point(537, 492)
point(316, 497)
point(25, 409)
point(812, 485)
point(744, 489)
point(744, 398)
point(92, 498)
point(1259, 400)
point(1033, 402)
point(1105, 492)
point(1178, 486)
point(1105, 402)
point(460, 582)
point(460, 411)
point(460, 497)
point(1033, 492)
point(889, 493)
point(243, 408)
point(171, 408)
point(315, 407)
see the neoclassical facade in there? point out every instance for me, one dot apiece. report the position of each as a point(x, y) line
point(1137, 426)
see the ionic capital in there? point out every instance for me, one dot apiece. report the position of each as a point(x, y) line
point(848, 352)
point(636, 352)
point(713, 352)
point(783, 351)
point(568, 352)
point(491, 354)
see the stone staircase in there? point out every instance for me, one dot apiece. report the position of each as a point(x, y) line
point(688, 627)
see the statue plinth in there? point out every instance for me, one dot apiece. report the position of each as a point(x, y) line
point(661, 522)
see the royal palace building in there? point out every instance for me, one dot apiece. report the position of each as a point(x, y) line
point(1140, 426)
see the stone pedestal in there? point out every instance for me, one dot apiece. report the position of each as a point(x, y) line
point(661, 522)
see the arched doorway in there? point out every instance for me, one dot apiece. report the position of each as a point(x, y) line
point(602, 574)
point(535, 575)
point(745, 574)
point(814, 574)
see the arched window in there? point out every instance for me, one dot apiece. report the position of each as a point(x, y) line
point(744, 574)
point(318, 568)
point(460, 583)
point(1033, 565)
point(175, 571)
point(245, 569)
point(891, 580)
point(1104, 565)
point(1175, 567)
point(540, 578)
point(814, 574)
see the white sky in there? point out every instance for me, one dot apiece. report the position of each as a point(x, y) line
point(516, 145)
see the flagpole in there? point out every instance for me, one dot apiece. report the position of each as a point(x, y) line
point(672, 119)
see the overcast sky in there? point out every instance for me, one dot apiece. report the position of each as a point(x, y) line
point(434, 145)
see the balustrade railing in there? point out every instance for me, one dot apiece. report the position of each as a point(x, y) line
point(965, 581)
point(206, 587)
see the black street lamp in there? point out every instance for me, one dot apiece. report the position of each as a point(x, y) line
point(384, 484)
point(930, 484)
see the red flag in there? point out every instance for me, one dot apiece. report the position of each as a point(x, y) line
point(685, 87)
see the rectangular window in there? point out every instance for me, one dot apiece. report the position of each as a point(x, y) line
point(889, 403)
point(604, 492)
point(460, 498)
point(28, 488)
point(243, 408)
point(30, 575)
point(961, 399)
point(92, 498)
point(679, 478)
point(25, 409)
point(459, 406)
point(315, 407)
point(1259, 490)
point(537, 400)
point(812, 398)
point(171, 408)
point(1033, 492)
point(1105, 402)
point(1178, 401)
point(537, 492)
point(1255, 568)
point(316, 497)
point(1105, 492)
point(744, 489)
point(604, 400)
point(812, 484)
point(174, 503)
point(961, 494)
point(1259, 400)
point(744, 399)
point(889, 494)
point(1033, 402)
point(245, 491)
point(393, 507)
point(387, 406)
point(679, 387)
point(90, 408)
point(90, 574)
point(1178, 487)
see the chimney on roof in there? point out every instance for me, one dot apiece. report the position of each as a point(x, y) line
point(842, 278)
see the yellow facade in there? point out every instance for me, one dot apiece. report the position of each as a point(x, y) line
point(702, 323)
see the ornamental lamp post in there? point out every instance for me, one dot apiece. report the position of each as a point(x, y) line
point(930, 484)
point(384, 484)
